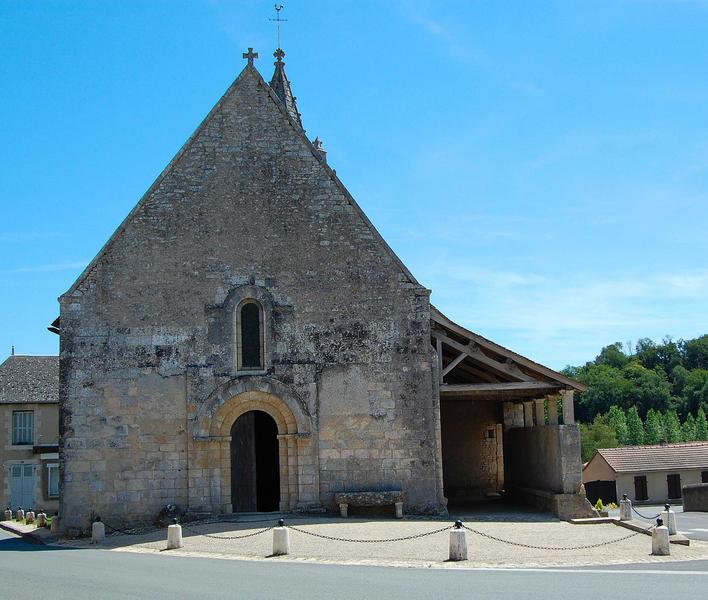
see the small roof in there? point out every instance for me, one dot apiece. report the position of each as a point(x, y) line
point(494, 363)
point(632, 459)
point(29, 379)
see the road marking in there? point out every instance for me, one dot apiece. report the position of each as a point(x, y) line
point(579, 570)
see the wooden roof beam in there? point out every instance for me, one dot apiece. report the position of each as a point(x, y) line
point(542, 387)
point(476, 354)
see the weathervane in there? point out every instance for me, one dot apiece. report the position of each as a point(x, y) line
point(278, 20)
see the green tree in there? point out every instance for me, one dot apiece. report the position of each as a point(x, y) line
point(598, 434)
point(647, 388)
point(654, 427)
point(695, 390)
point(613, 356)
point(701, 426)
point(635, 427)
point(696, 353)
point(618, 421)
point(607, 387)
point(672, 427)
point(665, 356)
point(688, 429)
point(645, 351)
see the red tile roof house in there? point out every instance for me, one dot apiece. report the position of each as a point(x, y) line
point(647, 474)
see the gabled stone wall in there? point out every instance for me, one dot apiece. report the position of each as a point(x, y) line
point(247, 207)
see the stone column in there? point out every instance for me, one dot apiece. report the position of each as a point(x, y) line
point(625, 509)
point(553, 410)
point(568, 407)
point(660, 545)
point(458, 544)
point(540, 413)
point(513, 415)
point(174, 536)
point(225, 475)
point(528, 413)
point(669, 518)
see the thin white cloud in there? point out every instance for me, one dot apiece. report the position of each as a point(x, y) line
point(568, 321)
point(455, 43)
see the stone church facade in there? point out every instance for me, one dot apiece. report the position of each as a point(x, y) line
point(247, 341)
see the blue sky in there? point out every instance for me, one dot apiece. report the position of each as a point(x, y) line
point(541, 166)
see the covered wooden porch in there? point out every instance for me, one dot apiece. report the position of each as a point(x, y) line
point(507, 423)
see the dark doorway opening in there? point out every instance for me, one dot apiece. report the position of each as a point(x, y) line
point(674, 484)
point(640, 488)
point(604, 490)
point(255, 467)
point(472, 451)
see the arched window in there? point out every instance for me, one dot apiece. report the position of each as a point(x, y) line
point(250, 336)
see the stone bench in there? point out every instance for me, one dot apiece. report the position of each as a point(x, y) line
point(369, 498)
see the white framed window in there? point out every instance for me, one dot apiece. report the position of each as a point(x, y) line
point(53, 480)
point(22, 427)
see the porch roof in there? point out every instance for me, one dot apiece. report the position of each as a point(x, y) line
point(473, 366)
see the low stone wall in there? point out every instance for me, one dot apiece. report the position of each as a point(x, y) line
point(543, 458)
point(563, 506)
point(695, 497)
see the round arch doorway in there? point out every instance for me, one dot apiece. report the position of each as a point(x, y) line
point(255, 468)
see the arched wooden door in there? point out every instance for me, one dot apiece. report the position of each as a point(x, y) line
point(255, 469)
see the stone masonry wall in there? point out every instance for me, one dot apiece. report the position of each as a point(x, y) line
point(147, 333)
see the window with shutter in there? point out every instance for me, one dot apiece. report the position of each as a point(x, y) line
point(22, 427)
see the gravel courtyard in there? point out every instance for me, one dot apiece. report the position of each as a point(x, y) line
point(609, 544)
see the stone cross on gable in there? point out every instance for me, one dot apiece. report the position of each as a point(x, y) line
point(250, 55)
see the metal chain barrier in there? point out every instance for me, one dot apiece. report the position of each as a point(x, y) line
point(584, 547)
point(374, 541)
point(132, 531)
point(228, 537)
point(193, 528)
point(644, 516)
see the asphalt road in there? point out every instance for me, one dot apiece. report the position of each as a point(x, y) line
point(29, 571)
point(694, 525)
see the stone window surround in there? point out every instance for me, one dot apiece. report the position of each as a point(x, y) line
point(50, 467)
point(14, 432)
point(238, 337)
point(232, 309)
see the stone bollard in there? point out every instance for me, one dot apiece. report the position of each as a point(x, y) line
point(458, 542)
point(660, 545)
point(399, 510)
point(669, 517)
point(29, 517)
point(625, 508)
point(41, 519)
point(55, 525)
point(281, 539)
point(344, 510)
point(98, 531)
point(8, 514)
point(174, 536)
point(20, 515)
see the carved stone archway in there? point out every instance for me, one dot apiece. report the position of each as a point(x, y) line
point(297, 451)
point(287, 444)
